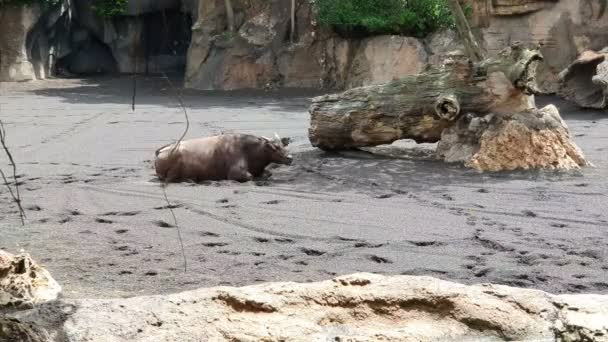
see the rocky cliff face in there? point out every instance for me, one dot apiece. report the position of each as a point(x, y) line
point(260, 54)
point(565, 28)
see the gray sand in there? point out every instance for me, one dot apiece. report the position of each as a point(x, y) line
point(96, 217)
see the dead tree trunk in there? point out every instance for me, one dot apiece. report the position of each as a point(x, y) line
point(420, 107)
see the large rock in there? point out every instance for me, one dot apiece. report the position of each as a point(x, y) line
point(566, 28)
point(23, 283)
point(533, 139)
point(15, 24)
point(382, 59)
point(358, 307)
point(585, 81)
point(32, 38)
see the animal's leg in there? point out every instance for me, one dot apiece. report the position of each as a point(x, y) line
point(239, 174)
point(266, 174)
point(172, 175)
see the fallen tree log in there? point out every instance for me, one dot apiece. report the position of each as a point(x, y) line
point(420, 107)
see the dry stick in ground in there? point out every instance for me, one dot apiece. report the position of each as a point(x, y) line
point(164, 184)
point(464, 31)
point(15, 195)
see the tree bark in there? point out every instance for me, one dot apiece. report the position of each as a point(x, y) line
point(420, 107)
point(464, 31)
point(229, 15)
point(292, 32)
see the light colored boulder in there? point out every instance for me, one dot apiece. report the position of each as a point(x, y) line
point(358, 307)
point(23, 283)
point(533, 139)
point(384, 58)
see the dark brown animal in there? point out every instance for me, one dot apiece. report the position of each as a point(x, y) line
point(239, 157)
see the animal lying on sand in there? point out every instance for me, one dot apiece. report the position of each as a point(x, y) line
point(239, 157)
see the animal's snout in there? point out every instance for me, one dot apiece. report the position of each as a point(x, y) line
point(288, 160)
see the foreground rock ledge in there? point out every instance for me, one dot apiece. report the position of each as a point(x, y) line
point(358, 307)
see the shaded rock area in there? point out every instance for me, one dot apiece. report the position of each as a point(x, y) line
point(533, 139)
point(585, 81)
point(37, 42)
point(23, 283)
point(357, 307)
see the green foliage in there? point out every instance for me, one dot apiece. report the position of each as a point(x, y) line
point(371, 17)
point(110, 8)
point(44, 3)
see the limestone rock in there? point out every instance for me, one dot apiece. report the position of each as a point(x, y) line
point(24, 283)
point(534, 139)
point(357, 307)
point(585, 81)
point(382, 59)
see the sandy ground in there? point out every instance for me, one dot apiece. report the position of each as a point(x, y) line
point(97, 218)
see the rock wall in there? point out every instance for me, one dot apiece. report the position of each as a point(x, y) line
point(566, 28)
point(260, 54)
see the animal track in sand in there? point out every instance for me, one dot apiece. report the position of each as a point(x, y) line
point(369, 245)
point(208, 234)
point(283, 240)
point(215, 244)
point(426, 243)
point(163, 224)
point(100, 220)
point(312, 252)
point(33, 208)
point(121, 213)
point(378, 259)
point(121, 231)
point(172, 206)
point(225, 251)
point(272, 202)
point(261, 239)
point(65, 220)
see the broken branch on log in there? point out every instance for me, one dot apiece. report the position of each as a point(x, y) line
point(420, 107)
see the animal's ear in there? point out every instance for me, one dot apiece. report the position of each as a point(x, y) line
point(285, 141)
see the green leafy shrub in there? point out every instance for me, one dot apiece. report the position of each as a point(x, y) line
point(110, 8)
point(371, 17)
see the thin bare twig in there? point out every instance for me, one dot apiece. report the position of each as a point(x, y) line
point(165, 184)
point(179, 233)
point(15, 195)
